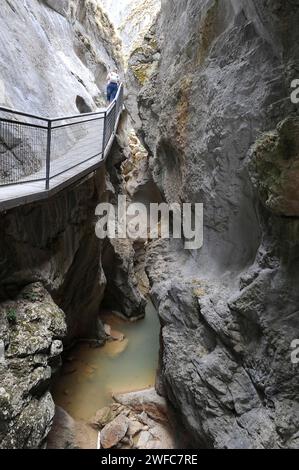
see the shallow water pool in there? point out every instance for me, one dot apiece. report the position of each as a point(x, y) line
point(91, 375)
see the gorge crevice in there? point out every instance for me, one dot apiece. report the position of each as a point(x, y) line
point(209, 121)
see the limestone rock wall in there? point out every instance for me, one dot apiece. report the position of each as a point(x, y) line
point(212, 82)
point(54, 242)
point(54, 51)
point(32, 328)
point(131, 18)
point(54, 62)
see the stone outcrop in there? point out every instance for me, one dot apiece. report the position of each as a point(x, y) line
point(275, 168)
point(64, 253)
point(125, 274)
point(143, 65)
point(138, 420)
point(214, 112)
point(32, 328)
point(122, 293)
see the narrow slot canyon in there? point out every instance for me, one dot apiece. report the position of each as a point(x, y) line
point(145, 340)
point(113, 380)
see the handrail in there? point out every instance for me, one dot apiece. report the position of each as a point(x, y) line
point(21, 113)
point(76, 116)
point(42, 118)
point(61, 118)
point(46, 151)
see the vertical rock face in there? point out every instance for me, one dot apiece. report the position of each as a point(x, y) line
point(212, 82)
point(123, 293)
point(53, 52)
point(54, 242)
point(132, 18)
point(32, 328)
point(275, 166)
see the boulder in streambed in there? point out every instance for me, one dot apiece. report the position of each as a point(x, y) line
point(113, 334)
point(106, 415)
point(140, 422)
point(114, 432)
point(107, 329)
point(145, 400)
point(135, 427)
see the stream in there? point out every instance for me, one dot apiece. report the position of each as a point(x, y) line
point(90, 376)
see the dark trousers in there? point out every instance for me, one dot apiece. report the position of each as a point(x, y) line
point(112, 91)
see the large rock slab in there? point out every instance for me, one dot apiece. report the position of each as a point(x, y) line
point(145, 400)
point(114, 432)
point(135, 421)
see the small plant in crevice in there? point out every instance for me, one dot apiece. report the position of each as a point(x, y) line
point(31, 296)
point(12, 316)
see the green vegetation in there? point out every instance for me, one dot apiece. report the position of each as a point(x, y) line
point(32, 296)
point(12, 316)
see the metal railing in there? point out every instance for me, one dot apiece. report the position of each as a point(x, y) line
point(39, 149)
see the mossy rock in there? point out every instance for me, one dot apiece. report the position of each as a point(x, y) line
point(275, 168)
point(141, 73)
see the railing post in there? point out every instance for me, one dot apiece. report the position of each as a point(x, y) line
point(104, 134)
point(48, 156)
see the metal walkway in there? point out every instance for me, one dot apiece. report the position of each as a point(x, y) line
point(40, 156)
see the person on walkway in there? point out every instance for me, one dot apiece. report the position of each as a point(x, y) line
point(112, 85)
